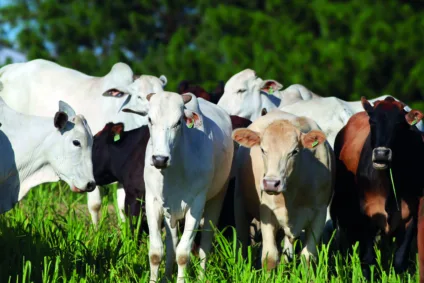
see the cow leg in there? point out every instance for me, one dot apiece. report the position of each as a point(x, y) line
point(192, 221)
point(242, 220)
point(366, 246)
point(269, 229)
point(403, 242)
point(288, 249)
point(314, 233)
point(154, 215)
point(171, 241)
point(420, 239)
point(120, 198)
point(94, 203)
point(211, 214)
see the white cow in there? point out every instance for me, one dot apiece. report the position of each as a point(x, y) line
point(36, 150)
point(245, 95)
point(35, 87)
point(187, 167)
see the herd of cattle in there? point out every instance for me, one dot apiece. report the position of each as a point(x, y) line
point(288, 158)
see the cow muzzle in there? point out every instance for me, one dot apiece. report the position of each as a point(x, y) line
point(160, 161)
point(381, 158)
point(272, 186)
point(88, 188)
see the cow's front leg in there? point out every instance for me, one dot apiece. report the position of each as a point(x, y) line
point(154, 215)
point(269, 228)
point(94, 203)
point(192, 220)
point(314, 233)
point(120, 199)
point(403, 242)
point(171, 241)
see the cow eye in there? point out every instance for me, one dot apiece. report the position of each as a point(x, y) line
point(150, 120)
point(76, 143)
point(120, 94)
point(263, 151)
point(294, 152)
point(241, 90)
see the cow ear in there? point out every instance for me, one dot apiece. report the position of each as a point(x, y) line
point(164, 80)
point(192, 119)
point(116, 131)
point(264, 112)
point(113, 92)
point(269, 86)
point(246, 137)
point(413, 117)
point(313, 139)
point(60, 120)
point(367, 106)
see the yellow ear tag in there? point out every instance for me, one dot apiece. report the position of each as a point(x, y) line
point(191, 124)
point(315, 143)
point(414, 122)
point(117, 137)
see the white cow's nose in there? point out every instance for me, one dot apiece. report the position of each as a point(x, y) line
point(160, 161)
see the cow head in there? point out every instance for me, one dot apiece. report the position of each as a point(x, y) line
point(387, 120)
point(281, 144)
point(135, 97)
point(69, 153)
point(244, 93)
point(198, 91)
point(167, 119)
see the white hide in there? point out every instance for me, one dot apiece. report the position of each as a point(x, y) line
point(243, 97)
point(195, 180)
point(35, 87)
point(33, 152)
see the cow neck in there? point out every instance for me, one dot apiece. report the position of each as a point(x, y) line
point(34, 168)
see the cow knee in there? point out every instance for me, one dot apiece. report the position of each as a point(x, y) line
point(155, 257)
point(182, 259)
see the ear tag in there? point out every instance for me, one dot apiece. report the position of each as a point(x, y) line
point(414, 122)
point(271, 90)
point(315, 143)
point(117, 137)
point(191, 124)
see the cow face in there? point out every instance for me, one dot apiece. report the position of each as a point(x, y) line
point(136, 97)
point(387, 121)
point(281, 145)
point(69, 151)
point(166, 119)
point(242, 94)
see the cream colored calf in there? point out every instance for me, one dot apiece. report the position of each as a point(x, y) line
point(284, 178)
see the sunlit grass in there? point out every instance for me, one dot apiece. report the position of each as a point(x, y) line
point(48, 237)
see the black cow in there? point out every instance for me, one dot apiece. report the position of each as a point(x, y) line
point(118, 156)
point(372, 144)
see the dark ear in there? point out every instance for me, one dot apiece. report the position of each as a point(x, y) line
point(113, 92)
point(264, 112)
point(367, 106)
point(60, 119)
point(183, 87)
point(313, 139)
point(413, 117)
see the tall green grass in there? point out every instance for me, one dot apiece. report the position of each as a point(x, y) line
point(48, 237)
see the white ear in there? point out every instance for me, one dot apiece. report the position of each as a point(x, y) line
point(66, 108)
point(164, 80)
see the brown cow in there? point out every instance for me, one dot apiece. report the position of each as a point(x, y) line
point(364, 202)
point(288, 158)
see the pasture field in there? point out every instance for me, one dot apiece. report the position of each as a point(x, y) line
point(48, 237)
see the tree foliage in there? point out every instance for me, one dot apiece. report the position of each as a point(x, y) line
point(335, 48)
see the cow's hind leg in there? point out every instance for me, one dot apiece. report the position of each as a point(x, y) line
point(94, 203)
point(242, 219)
point(211, 214)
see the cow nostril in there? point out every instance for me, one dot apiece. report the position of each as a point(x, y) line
point(91, 186)
point(277, 184)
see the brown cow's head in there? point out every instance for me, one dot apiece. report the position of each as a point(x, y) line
point(281, 144)
point(387, 119)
